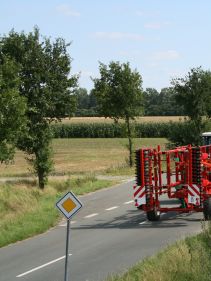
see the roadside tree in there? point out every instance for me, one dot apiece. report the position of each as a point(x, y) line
point(12, 109)
point(47, 86)
point(119, 95)
point(193, 93)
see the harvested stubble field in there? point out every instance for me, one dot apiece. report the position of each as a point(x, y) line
point(145, 119)
point(75, 156)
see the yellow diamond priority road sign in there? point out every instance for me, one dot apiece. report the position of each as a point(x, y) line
point(69, 205)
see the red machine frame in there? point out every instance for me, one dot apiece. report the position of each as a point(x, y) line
point(188, 178)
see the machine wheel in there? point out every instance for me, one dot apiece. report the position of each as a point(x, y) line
point(153, 215)
point(207, 209)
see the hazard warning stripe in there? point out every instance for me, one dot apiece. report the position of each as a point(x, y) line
point(192, 194)
point(195, 188)
point(142, 194)
point(137, 191)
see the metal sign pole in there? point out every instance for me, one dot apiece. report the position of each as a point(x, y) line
point(69, 205)
point(67, 251)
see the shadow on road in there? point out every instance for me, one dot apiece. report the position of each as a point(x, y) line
point(135, 219)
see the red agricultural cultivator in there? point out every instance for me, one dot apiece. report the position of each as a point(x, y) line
point(183, 173)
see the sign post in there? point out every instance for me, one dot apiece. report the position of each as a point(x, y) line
point(69, 205)
point(67, 250)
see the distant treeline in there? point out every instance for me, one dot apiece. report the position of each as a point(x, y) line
point(154, 104)
point(86, 103)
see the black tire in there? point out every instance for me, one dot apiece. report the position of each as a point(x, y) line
point(207, 209)
point(153, 215)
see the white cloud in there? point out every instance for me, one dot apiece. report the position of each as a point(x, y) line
point(67, 11)
point(156, 25)
point(118, 36)
point(166, 55)
point(153, 25)
point(147, 14)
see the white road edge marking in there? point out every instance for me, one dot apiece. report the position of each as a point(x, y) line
point(112, 208)
point(92, 215)
point(41, 266)
point(129, 202)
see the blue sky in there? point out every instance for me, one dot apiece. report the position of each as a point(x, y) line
point(162, 39)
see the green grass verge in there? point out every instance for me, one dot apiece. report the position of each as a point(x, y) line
point(186, 260)
point(26, 211)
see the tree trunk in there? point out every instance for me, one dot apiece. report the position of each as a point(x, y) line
point(41, 179)
point(130, 142)
point(42, 164)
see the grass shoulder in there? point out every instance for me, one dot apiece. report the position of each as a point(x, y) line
point(26, 211)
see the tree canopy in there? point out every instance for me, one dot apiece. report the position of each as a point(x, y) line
point(193, 92)
point(46, 84)
point(118, 91)
point(119, 94)
point(12, 108)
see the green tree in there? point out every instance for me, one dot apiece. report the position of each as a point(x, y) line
point(151, 102)
point(193, 93)
point(161, 104)
point(82, 98)
point(86, 103)
point(168, 104)
point(47, 86)
point(12, 109)
point(119, 95)
point(92, 100)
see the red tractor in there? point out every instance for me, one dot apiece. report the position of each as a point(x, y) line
point(183, 173)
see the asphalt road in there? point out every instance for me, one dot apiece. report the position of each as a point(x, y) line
point(107, 236)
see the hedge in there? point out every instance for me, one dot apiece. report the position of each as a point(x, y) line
point(104, 130)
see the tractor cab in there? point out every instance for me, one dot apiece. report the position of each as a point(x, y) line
point(206, 138)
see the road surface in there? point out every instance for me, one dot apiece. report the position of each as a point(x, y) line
point(107, 236)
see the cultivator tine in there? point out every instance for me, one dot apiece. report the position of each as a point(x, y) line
point(147, 172)
point(138, 160)
point(196, 165)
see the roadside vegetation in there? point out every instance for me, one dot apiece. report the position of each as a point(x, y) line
point(186, 260)
point(26, 210)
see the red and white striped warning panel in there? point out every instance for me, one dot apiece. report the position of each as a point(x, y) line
point(139, 195)
point(194, 194)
